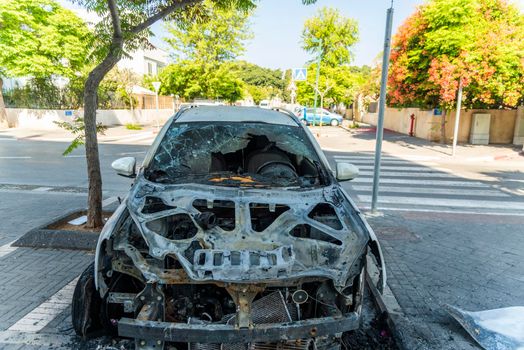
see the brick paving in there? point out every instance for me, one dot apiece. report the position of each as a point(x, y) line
point(475, 262)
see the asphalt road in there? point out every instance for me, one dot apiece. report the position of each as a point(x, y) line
point(408, 181)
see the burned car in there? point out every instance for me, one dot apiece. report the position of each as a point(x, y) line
point(235, 234)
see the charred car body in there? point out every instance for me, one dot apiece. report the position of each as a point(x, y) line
point(235, 234)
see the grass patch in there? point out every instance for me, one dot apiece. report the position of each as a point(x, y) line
point(131, 126)
point(354, 125)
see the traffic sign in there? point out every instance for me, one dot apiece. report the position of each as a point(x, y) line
point(299, 74)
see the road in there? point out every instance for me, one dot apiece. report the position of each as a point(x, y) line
point(37, 182)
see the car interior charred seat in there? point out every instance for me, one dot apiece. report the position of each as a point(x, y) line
point(271, 163)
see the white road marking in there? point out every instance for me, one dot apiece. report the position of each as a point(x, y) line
point(408, 174)
point(135, 137)
point(76, 156)
point(16, 157)
point(109, 201)
point(394, 167)
point(446, 202)
point(439, 210)
point(130, 153)
point(395, 162)
point(421, 182)
point(6, 249)
point(431, 190)
point(369, 158)
point(396, 157)
point(42, 189)
point(7, 139)
point(40, 317)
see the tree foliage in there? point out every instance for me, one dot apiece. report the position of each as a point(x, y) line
point(336, 32)
point(39, 38)
point(126, 25)
point(342, 84)
point(253, 74)
point(217, 36)
point(77, 128)
point(478, 41)
point(260, 83)
point(190, 80)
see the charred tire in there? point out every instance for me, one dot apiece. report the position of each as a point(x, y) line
point(85, 309)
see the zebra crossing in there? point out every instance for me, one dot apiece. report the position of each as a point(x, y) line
point(409, 183)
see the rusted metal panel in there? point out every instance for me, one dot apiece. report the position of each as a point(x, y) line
point(219, 333)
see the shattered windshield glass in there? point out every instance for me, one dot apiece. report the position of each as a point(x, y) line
point(235, 154)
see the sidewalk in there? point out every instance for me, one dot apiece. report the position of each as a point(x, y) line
point(470, 260)
point(112, 134)
point(475, 262)
point(363, 139)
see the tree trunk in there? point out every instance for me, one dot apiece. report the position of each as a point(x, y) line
point(94, 200)
point(3, 112)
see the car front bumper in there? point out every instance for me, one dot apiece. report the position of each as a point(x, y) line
point(223, 333)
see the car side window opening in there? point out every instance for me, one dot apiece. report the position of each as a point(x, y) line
point(236, 154)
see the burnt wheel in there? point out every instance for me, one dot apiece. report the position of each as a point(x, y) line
point(85, 309)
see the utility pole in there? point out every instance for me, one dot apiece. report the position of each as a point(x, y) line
point(382, 107)
point(457, 117)
point(319, 41)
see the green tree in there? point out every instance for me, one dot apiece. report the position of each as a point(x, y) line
point(202, 48)
point(218, 35)
point(124, 79)
point(125, 27)
point(224, 85)
point(336, 33)
point(253, 74)
point(336, 84)
point(190, 80)
point(39, 38)
point(260, 83)
point(480, 42)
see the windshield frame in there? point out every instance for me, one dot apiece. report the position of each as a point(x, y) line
point(319, 160)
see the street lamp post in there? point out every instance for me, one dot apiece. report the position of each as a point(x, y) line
point(382, 107)
point(457, 118)
point(156, 85)
point(319, 60)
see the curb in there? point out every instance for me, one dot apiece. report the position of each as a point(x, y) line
point(44, 237)
point(388, 305)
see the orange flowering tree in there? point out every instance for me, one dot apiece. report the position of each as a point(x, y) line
point(480, 42)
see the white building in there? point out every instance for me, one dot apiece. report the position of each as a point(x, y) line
point(144, 62)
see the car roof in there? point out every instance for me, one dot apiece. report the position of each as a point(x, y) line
point(235, 115)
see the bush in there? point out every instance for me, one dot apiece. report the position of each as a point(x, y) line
point(131, 126)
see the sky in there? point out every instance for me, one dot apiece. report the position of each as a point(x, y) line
point(277, 26)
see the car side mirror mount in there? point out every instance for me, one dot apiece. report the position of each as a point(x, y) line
point(346, 171)
point(125, 166)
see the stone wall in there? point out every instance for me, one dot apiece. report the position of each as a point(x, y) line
point(429, 126)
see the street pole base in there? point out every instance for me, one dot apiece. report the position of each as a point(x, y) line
point(374, 213)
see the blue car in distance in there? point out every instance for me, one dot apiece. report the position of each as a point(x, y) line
point(311, 117)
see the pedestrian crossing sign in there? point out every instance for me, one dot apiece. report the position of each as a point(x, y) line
point(299, 74)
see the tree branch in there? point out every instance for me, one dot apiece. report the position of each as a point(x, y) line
point(115, 18)
point(161, 14)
